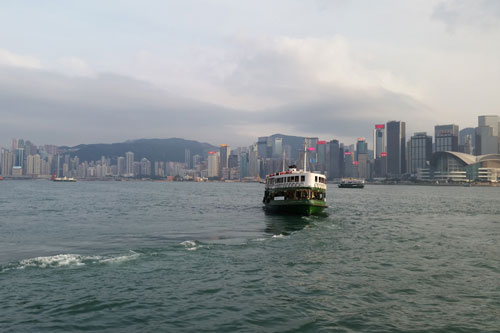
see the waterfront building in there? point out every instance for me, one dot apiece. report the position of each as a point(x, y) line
point(446, 137)
point(17, 171)
point(460, 167)
point(420, 152)
point(396, 148)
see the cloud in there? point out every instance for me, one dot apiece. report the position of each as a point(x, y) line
point(316, 87)
point(51, 107)
point(75, 66)
point(8, 58)
point(483, 14)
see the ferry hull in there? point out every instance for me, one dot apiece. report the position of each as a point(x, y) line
point(302, 207)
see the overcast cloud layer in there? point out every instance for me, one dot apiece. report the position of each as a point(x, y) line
point(227, 72)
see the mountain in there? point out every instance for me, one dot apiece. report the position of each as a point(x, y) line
point(172, 149)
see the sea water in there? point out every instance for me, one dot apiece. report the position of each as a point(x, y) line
point(186, 257)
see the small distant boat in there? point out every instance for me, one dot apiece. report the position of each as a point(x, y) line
point(351, 183)
point(295, 192)
point(62, 179)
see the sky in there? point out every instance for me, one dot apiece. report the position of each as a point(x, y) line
point(225, 71)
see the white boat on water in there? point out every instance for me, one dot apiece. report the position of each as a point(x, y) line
point(351, 183)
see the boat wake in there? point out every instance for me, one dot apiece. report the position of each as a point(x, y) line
point(191, 245)
point(70, 260)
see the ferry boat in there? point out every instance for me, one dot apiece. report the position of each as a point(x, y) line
point(295, 192)
point(62, 179)
point(351, 183)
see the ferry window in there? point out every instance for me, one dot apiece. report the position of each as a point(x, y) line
point(302, 178)
point(316, 179)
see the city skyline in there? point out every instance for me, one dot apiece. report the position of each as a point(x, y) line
point(109, 72)
point(470, 153)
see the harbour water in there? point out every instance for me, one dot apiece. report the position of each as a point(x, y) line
point(175, 257)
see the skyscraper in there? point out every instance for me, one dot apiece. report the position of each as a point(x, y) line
point(321, 151)
point(487, 138)
point(224, 155)
point(396, 148)
point(420, 152)
point(277, 147)
point(262, 146)
point(378, 140)
point(348, 162)
point(446, 137)
point(213, 164)
point(334, 165)
point(362, 158)
point(129, 165)
point(187, 158)
point(120, 165)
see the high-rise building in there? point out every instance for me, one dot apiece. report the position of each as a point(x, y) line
point(321, 164)
point(420, 152)
point(396, 148)
point(362, 158)
point(277, 147)
point(487, 138)
point(37, 164)
point(262, 146)
point(7, 162)
point(19, 157)
point(378, 140)
point(120, 166)
point(224, 155)
point(446, 137)
point(187, 158)
point(244, 164)
point(145, 167)
point(213, 164)
point(361, 147)
point(129, 164)
point(348, 163)
point(462, 138)
point(334, 165)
